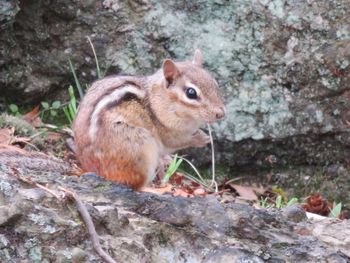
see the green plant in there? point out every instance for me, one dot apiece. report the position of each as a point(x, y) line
point(292, 201)
point(172, 168)
point(77, 82)
point(335, 212)
point(51, 109)
point(177, 160)
point(13, 108)
point(71, 109)
point(278, 203)
point(263, 203)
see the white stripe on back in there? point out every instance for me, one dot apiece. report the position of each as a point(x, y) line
point(115, 96)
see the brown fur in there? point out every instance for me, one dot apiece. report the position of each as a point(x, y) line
point(133, 133)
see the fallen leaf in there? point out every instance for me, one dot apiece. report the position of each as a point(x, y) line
point(6, 135)
point(168, 188)
point(317, 204)
point(227, 198)
point(54, 136)
point(33, 117)
point(247, 192)
point(199, 192)
point(180, 192)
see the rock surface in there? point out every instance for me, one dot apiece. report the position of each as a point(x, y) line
point(283, 66)
point(142, 227)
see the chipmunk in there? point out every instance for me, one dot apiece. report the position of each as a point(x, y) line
point(125, 124)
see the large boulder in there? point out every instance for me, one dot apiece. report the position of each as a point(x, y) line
point(142, 227)
point(283, 65)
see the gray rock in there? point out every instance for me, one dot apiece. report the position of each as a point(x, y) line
point(78, 255)
point(10, 214)
point(8, 11)
point(294, 213)
point(143, 227)
point(283, 66)
point(232, 255)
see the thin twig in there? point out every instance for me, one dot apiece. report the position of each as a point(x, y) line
point(65, 130)
point(81, 209)
point(90, 225)
point(31, 182)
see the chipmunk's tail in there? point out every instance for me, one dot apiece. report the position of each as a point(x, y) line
point(12, 156)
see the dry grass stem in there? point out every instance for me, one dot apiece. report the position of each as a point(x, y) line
point(213, 181)
point(89, 224)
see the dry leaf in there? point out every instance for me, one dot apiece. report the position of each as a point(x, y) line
point(168, 188)
point(317, 204)
point(33, 117)
point(247, 192)
point(181, 192)
point(6, 135)
point(199, 192)
point(53, 136)
point(227, 197)
point(9, 148)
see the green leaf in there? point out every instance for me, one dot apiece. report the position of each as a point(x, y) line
point(53, 113)
point(67, 114)
point(77, 83)
point(56, 104)
point(264, 203)
point(292, 201)
point(173, 166)
point(13, 108)
point(45, 105)
point(279, 201)
point(335, 212)
point(73, 100)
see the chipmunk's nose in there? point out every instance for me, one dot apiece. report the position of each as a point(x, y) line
point(220, 113)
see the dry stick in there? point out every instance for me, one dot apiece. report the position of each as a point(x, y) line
point(81, 209)
point(213, 182)
point(90, 225)
point(31, 182)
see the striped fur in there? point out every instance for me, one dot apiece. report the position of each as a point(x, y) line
point(116, 96)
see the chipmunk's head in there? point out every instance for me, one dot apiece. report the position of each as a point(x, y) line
point(191, 96)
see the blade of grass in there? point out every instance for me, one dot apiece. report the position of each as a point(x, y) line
point(67, 114)
point(213, 181)
point(292, 201)
point(77, 83)
point(335, 212)
point(73, 100)
point(193, 167)
point(96, 60)
point(173, 166)
point(193, 178)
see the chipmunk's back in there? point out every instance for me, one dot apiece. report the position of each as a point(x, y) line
point(103, 94)
point(126, 125)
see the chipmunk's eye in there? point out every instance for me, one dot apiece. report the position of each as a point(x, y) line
point(191, 93)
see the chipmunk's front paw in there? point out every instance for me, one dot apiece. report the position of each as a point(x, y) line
point(200, 139)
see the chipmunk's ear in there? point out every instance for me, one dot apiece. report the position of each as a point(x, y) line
point(197, 59)
point(170, 70)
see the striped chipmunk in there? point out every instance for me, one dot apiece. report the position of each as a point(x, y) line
point(126, 125)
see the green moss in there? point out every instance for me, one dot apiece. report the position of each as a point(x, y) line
point(22, 127)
